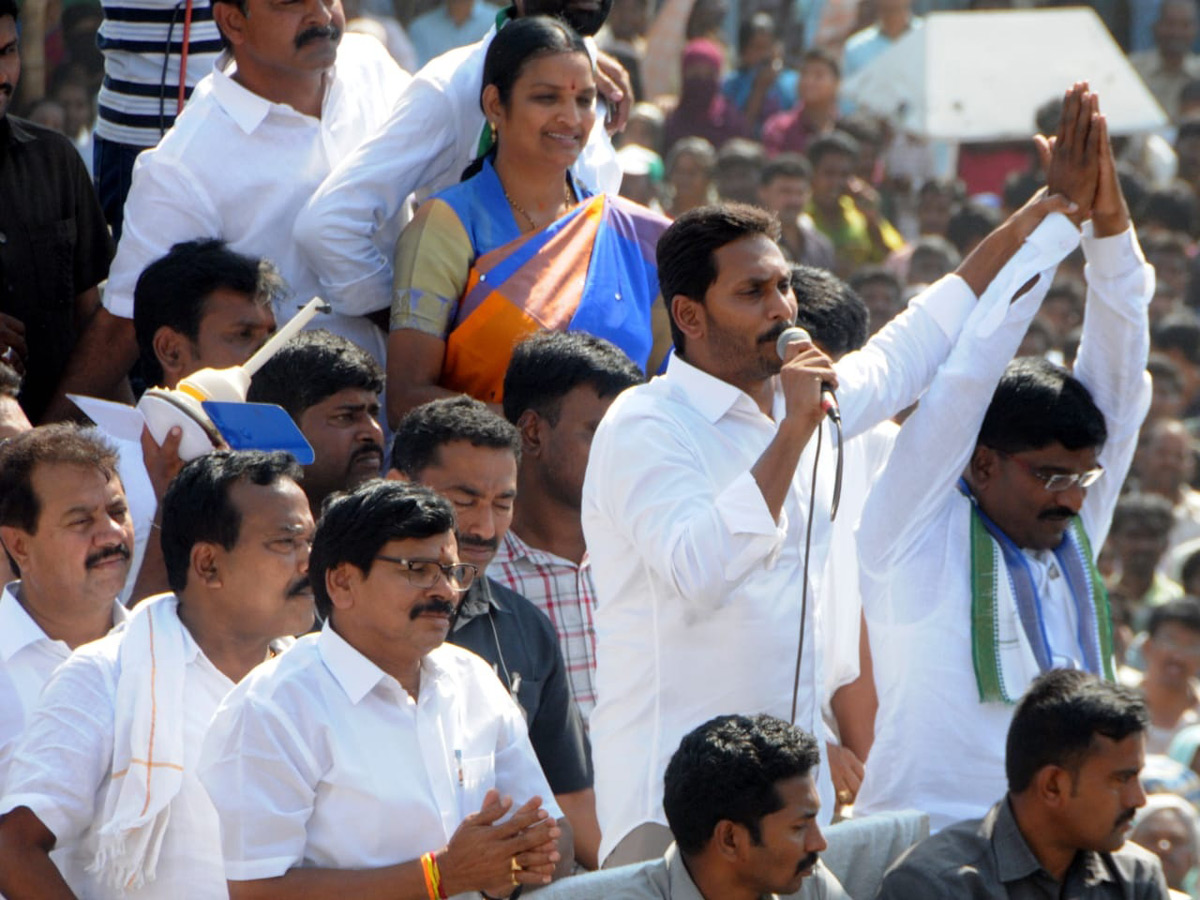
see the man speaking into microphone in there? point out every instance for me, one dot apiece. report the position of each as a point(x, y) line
point(698, 491)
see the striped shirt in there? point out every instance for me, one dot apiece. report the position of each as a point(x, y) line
point(566, 594)
point(142, 41)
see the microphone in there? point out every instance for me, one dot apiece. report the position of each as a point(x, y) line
point(795, 335)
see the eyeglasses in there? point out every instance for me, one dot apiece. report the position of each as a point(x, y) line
point(423, 573)
point(1058, 481)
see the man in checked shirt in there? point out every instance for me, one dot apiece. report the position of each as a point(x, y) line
point(556, 391)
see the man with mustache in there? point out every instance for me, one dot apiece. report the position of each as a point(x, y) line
point(469, 455)
point(105, 774)
point(978, 540)
point(1075, 747)
point(289, 99)
point(373, 759)
point(700, 488)
point(54, 244)
point(66, 532)
point(330, 388)
point(742, 803)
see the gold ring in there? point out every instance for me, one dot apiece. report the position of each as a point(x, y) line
point(516, 866)
point(844, 797)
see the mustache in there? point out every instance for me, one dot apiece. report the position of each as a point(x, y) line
point(482, 543)
point(370, 449)
point(807, 863)
point(107, 553)
point(1125, 817)
point(435, 606)
point(301, 586)
point(1058, 512)
point(773, 335)
point(321, 32)
point(6, 89)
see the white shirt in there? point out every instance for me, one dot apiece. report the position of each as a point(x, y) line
point(432, 136)
point(699, 587)
point(28, 657)
point(238, 167)
point(63, 765)
point(937, 748)
point(321, 759)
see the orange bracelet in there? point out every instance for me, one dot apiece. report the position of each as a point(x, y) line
point(427, 869)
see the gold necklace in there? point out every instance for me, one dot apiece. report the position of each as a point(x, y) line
point(568, 200)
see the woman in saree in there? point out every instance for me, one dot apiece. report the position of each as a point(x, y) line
point(519, 246)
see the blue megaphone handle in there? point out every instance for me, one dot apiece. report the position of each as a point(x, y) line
point(259, 426)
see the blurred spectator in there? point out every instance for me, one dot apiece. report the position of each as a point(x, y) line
point(760, 86)
point(1166, 826)
point(378, 19)
point(1178, 338)
point(739, 171)
point(1165, 465)
point(815, 112)
point(1141, 525)
point(1019, 187)
point(641, 176)
point(1169, 209)
point(785, 191)
point(845, 208)
point(54, 245)
point(1166, 401)
point(49, 114)
point(937, 200)
point(1062, 310)
point(1189, 574)
point(691, 165)
point(1171, 63)
point(645, 127)
point(1187, 151)
point(1184, 746)
point(1037, 341)
point(893, 19)
point(881, 291)
point(1169, 253)
point(970, 225)
point(70, 89)
point(1172, 654)
point(872, 134)
point(330, 387)
point(703, 111)
point(453, 23)
point(932, 257)
point(623, 36)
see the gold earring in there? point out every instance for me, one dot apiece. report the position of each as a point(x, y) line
point(492, 125)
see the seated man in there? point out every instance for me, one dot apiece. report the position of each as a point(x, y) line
point(330, 387)
point(742, 804)
point(558, 386)
point(106, 770)
point(1075, 748)
point(978, 540)
point(66, 531)
point(469, 454)
point(371, 759)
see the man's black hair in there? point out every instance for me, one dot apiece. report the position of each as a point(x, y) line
point(687, 263)
point(312, 367)
point(759, 23)
point(1188, 128)
point(821, 55)
point(1058, 719)
point(1180, 332)
point(729, 769)
point(356, 525)
point(829, 310)
point(10, 8)
point(691, 146)
point(1173, 208)
point(1143, 510)
point(1037, 403)
point(173, 290)
point(1185, 611)
point(549, 365)
point(837, 142)
point(1164, 371)
point(786, 165)
point(737, 152)
point(940, 249)
point(197, 507)
point(970, 225)
point(1019, 188)
point(1191, 568)
point(424, 430)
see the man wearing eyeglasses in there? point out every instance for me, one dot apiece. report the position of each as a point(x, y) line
point(979, 539)
point(377, 760)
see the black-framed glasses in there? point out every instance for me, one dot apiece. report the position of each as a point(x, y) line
point(1055, 482)
point(423, 573)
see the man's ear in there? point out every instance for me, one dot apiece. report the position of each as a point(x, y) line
point(531, 427)
point(16, 542)
point(231, 21)
point(688, 316)
point(728, 839)
point(1053, 786)
point(204, 562)
point(339, 581)
point(982, 468)
point(170, 347)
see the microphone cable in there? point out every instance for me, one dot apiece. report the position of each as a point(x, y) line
point(812, 505)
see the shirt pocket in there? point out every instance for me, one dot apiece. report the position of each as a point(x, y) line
point(477, 774)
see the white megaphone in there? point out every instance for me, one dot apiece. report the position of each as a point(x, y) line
point(183, 407)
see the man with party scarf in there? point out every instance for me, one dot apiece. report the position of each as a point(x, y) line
point(979, 539)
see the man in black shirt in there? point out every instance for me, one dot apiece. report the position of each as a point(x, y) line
point(54, 244)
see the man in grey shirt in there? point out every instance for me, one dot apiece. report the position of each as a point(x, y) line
point(742, 804)
point(1074, 751)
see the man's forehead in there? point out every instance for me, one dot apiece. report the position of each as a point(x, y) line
point(754, 257)
point(442, 546)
